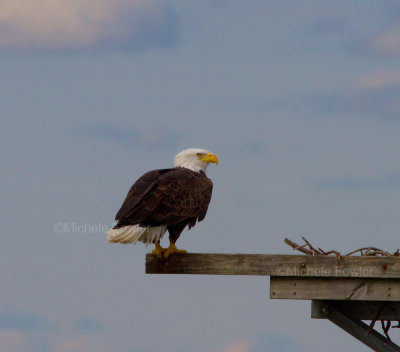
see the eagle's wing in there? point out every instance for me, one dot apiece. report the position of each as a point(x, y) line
point(168, 198)
point(139, 189)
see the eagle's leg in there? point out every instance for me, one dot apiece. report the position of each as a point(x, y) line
point(158, 250)
point(172, 249)
point(174, 233)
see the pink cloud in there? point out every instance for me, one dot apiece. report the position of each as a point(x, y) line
point(13, 341)
point(77, 24)
point(385, 43)
point(379, 80)
point(82, 344)
point(237, 347)
point(74, 345)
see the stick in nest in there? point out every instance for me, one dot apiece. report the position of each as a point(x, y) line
point(298, 247)
point(364, 251)
point(311, 250)
point(386, 327)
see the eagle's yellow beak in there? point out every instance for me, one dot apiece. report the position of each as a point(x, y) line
point(209, 158)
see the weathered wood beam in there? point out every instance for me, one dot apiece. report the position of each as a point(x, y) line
point(358, 289)
point(358, 329)
point(360, 310)
point(274, 265)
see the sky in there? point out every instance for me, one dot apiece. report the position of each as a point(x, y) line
point(300, 102)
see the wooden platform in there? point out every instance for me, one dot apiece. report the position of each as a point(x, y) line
point(343, 291)
point(275, 265)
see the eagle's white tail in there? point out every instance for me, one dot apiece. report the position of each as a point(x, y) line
point(134, 233)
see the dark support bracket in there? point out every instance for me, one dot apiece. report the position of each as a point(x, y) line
point(354, 327)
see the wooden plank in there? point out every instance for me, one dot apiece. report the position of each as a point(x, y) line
point(274, 265)
point(335, 288)
point(360, 310)
point(358, 329)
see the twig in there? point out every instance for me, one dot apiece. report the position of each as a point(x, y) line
point(311, 250)
point(298, 247)
point(379, 252)
point(315, 251)
point(386, 328)
point(365, 251)
point(371, 326)
point(338, 256)
point(361, 250)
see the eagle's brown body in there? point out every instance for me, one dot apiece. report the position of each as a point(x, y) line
point(174, 198)
point(166, 200)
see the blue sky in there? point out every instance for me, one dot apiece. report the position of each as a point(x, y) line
point(299, 100)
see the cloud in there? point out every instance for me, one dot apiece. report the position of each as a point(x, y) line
point(88, 325)
point(86, 24)
point(329, 25)
point(22, 322)
point(376, 95)
point(379, 80)
point(149, 138)
point(83, 344)
point(384, 43)
point(237, 347)
point(382, 182)
point(275, 343)
point(383, 103)
point(254, 147)
point(73, 345)
point(13, 341)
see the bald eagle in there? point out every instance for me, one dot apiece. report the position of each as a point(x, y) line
point(166, 199)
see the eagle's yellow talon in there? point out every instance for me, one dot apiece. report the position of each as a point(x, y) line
point(158, 250)
point(172, 249)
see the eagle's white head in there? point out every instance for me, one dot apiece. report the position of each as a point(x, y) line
point(195, 159)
